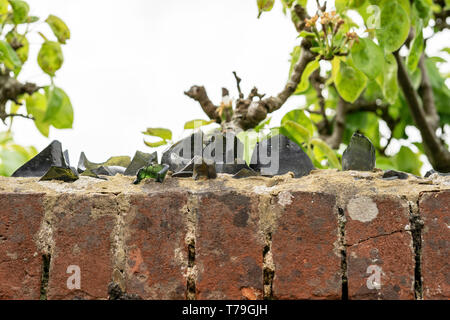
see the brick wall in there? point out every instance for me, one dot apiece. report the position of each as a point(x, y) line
point(330, 235)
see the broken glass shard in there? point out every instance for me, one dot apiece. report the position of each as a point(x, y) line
point(108, 170)
point(392, 175)
point(359, 155)
point(154, 171)
point(279, 155)
point(113, 162)
point(182, 152)
point(227, 152)
point(139, 161)
point(51, 156)
point(431, 172)
point(59, 173)
point(188, 170)
point(204, 168)
point(245, 173)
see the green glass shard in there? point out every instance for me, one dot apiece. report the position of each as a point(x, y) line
point(155, 171)
point(60, 173)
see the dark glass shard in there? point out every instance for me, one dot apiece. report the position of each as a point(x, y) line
point(279, 155)
point(66, 157)
point(188, 170)
point(139, 161)
point(51, 156)
point(60, 173)
point(359, 155)
point(204, 168)
point(183, 174)
point(227, 152)
point(431, 172)
point(245, 173)
point(392, 175)
point(182, 152)
point(154, 171)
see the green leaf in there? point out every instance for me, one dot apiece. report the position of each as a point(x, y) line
point(155, 144)
point(264, 5)
point(9, 57)
point(385, 163)
point(50, 57)
point(350, 82)
point(416, 48)
point(422, 8)
point(194, 124)
point(295, 55)
point(37, 107)
point(4, 7)
point(304, 82)
point(59, 28)
point(355, 3)
point(296, 132)
point(368, 57)
point(300, 117)
point(59, 108)
point(20, 11)
point(262, 124)
point(249, 139)
point(162, 133)
point(12, 156)
point(328, 152)
point(13, 37)
point(408, 161)
point(388, 79)
point(395, 24)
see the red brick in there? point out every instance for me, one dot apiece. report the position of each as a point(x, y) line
point(307, 262)
point(392, 215)
point(20, 259)
point(375, 232)
point(434, 209)
point(229, 248)
point(82, 237)
point(155, 246)
point(394, 255)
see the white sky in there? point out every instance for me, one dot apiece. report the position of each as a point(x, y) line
point(129, 62)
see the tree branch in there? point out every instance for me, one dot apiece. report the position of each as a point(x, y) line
point(334, 141)
point(198, 93)
point(10, 90)
point(426, 93)
point(438, 155)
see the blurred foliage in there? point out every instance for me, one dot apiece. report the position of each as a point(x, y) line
point(49, 105)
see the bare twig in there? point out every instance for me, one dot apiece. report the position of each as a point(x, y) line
point(238, 84)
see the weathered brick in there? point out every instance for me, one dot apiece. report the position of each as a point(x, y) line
point(304, 247)
point(155, 247)
point(229, 248)
point(376, 236)
point(20, 259)
point(390, 255)
point(82, 234)
point(369, 217)
point(434, 209)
